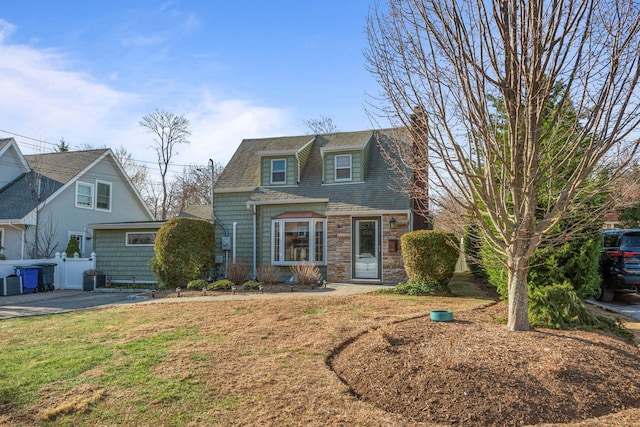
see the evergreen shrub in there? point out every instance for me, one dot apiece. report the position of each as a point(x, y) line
point(197, 284)
point(429, 259)
point(184, 251)
point(218, 285)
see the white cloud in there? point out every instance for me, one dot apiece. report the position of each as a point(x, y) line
point(6, 29)
point(43, 98)
point(218, 127)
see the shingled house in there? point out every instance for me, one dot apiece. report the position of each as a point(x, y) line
point(47, 199)
point(325, 199)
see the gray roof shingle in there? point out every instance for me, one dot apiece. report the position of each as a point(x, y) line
point(18, 198)
point(375, 193)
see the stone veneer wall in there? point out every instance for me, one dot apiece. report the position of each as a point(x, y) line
point(392, 265)
point(339, 249)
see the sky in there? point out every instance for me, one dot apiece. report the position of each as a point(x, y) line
point(87, 71)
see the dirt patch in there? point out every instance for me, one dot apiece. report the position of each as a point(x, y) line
point(473, 372)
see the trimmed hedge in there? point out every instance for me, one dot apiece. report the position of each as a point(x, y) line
point(184, 251)
point(429, 259)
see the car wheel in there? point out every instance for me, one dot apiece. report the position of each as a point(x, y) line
point(604, 293)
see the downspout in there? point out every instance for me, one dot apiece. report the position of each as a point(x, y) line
point(252, 208)
point(233, 244)
point(21, 230)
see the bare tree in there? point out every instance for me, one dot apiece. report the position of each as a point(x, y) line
point(137, 173)
point(193, 186)
point(441, 63)
point(321, 126)
point(40, 239)
point(168, 130)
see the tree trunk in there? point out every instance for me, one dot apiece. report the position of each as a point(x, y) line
point(518, 319)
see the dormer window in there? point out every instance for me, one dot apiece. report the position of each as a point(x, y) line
point(278, 171)
point(343, 167)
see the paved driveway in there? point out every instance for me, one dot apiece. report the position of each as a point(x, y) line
point(58, 301)
point(627, 304)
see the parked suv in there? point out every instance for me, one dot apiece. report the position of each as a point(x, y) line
point(619, 263)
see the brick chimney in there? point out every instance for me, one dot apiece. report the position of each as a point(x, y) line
point(420, 193)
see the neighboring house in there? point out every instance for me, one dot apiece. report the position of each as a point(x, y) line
point(124, 250)
point(324, 199)
point(46, 199)
point(611, 221)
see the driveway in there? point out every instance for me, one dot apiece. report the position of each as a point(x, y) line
point(58, 301)
point(626, 304)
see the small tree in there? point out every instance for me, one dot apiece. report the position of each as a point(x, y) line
point(439, 64)
point(184, 251)
point(73, 247)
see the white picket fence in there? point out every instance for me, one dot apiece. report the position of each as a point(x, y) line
point(68, 271)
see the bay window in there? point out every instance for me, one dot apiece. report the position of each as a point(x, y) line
point(296, 240)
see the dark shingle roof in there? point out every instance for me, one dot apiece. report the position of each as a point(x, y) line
point(197, 211)
point(54, 170)
point(62, 167)
point(243, 172)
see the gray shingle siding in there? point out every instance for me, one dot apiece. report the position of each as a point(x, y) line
point(120, 262)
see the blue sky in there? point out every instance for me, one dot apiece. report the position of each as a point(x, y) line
point(88, 71)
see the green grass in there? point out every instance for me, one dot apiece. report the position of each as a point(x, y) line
point(57, 352)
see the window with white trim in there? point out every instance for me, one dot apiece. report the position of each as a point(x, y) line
point(1, 242)
point(278, 171)
point(146, 238)
point(84, 195)
point(298, 240)
point(79, 236)
point(343, 167)
point(103, 195)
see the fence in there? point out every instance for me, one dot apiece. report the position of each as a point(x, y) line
point(68, 271)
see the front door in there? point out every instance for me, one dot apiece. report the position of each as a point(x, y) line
point(366, 248)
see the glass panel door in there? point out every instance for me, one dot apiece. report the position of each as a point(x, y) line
point(366, 254)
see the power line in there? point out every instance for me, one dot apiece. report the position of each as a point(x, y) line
point(42, 141)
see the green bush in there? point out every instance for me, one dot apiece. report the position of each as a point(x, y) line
point(252, 285)
point(557, 307)
point(472, 246)
point(184, 251)
point(218, 285)
point(574, 262)
point(560, 307)
point(419, 288)
point(429, 258)
point(73, 247)
point(197, 284)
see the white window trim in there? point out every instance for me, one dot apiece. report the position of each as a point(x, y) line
point(93, 198)
point(335, 164)
point(285, 172)
point(126, 238)
point(312, 241)
point(98, 182)
point(1, 240)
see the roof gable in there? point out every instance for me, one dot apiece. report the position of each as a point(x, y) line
point(372, 192)
point(50, 174)
point(12, 161)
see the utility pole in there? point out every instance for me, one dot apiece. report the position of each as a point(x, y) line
point(211, 166)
